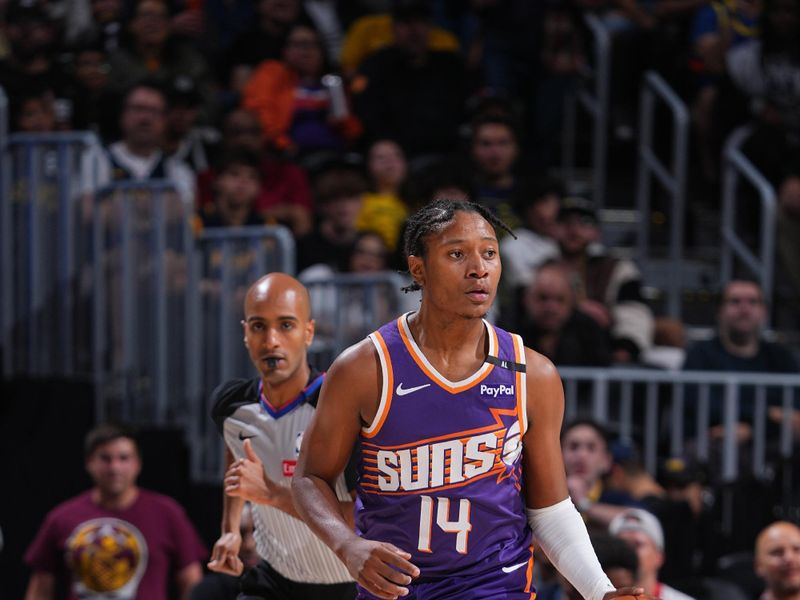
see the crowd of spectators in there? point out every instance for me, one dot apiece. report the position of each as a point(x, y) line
point(338, 119)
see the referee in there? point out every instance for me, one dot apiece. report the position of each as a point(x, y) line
point(262, 421)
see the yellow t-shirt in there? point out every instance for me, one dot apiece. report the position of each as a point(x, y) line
point(384, 214)
point(373, 32)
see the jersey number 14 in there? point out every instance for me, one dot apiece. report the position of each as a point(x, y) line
point(461, 526)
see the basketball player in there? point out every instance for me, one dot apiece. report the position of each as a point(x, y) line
point(262, 421)
point(459, 425)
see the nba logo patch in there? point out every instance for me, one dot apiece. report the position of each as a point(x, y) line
point(298, 441)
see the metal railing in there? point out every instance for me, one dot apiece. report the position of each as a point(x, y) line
point(593, 95)
point(43, 247)
point(142, 244)
point(664, 410)
point(735, 166)
point(226, 263)
point(672, 178)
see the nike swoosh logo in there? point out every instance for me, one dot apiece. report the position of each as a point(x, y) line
point(513, 568)
point(401, 391)
point(245, 437)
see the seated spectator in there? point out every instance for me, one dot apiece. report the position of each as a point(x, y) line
point(285, 195)
point(236, 189)
point(105, 24)
point(618, 560)
point(609, 289)
point(494, 149)
point(152, 51)
point(409, 93)
point(384, 210)
point(777, 561)
point(370, 33)
point(536, 241)
point(339, 195)
point(738, 346)
point(643, 532)
point(95, 106)
point(33, 109)
point(185, 139)
point(587, 460)
point(31, 38)
point(138, 155)
point(298, 113)
point(116, 538)
point(263, 41)
point(551, 324)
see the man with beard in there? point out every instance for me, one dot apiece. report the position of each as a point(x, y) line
point(777, 561)
point(738, 346)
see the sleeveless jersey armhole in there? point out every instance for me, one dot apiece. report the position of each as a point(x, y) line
point(522, 389)
point(387, 381)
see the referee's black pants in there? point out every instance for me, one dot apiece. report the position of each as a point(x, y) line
point(262, 582)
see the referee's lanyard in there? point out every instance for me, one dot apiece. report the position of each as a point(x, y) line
point(309, 390)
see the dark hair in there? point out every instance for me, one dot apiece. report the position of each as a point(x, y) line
point(494, 119)
point(238, 156)
point(338, 183)
point(532, 192)
point(146, 83)
point(723, 292)
point(32, 90)
point(586, 422)
point(613, 552)
point(105, 433)
point(432, 218)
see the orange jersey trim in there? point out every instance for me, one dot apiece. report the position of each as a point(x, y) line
point(387, 385)
point(430, 371)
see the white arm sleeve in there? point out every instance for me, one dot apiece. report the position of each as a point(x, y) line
point(561, 533)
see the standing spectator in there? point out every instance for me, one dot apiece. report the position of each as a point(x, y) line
point(609, 288)
point(116, 539)
point(139, 155)
point(339, 198)
point(777, 561)
point(587, 460)
point(384, 209)
point(535, 241)
point(643, 532)
point(410, 93)
point(552, 325)
point(297, 112)
point(739, 346)
point(285, 195)
point(152, 51)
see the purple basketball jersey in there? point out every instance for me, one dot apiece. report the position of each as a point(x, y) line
point(441, 467)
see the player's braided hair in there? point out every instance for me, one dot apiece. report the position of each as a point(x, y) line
point(431, 218)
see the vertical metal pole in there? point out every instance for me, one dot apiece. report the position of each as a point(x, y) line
point(646, 108)
point(161, 322)
point(680, 149)
point(6, 243)
point(65, 261)
point(651, 428)
point(676, 442)
point(759, 431)
point(130, 305)
point(34, 265)
point(602, 90)
point(626, 412)
point(730, 464)
point(703, 408)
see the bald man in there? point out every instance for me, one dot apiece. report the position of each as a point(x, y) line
point(262, 421)
point(777, 561)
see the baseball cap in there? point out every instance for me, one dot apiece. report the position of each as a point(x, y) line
point(637, 519)
point(575, 205)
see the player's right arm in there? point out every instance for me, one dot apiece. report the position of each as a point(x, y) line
point(225, 555)
point(347, 401)
point(41, 586)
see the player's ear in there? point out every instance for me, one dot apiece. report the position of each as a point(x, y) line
point(416, 267)
point(311, 326)
point(244, 331)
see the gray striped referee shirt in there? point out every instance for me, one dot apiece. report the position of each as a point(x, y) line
point(286, 543)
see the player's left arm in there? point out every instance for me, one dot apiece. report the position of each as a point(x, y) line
point(188, 577)
point(556, 524)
